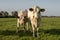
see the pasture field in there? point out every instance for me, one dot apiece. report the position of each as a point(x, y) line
point(49, 30)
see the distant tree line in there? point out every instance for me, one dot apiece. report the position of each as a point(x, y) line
point(5, 14)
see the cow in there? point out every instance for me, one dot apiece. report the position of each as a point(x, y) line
point(34, 16)
point(22, 19)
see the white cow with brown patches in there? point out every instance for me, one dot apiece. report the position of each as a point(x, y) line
point(22, 19)
point(34, 16)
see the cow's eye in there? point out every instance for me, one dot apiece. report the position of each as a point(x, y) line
point(31, 9)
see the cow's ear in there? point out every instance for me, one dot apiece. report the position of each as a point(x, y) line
point(17, 16)
point(31, 9)
point(42, 10)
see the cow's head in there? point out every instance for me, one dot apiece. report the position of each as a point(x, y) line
point(22, 16)
point(36, 12)
point(38, 9)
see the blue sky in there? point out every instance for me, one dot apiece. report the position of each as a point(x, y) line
point(52, 7)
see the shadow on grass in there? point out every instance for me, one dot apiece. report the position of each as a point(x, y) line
point(53, 31)
point(20, 33)
point(28, 33)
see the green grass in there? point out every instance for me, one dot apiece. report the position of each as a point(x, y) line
point(49, 30)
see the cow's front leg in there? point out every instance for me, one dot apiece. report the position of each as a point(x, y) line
point(37, 29)
point(24, 25)
point(33, 30)
point(37, 32)
point(18, 24)
point(30, 26)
